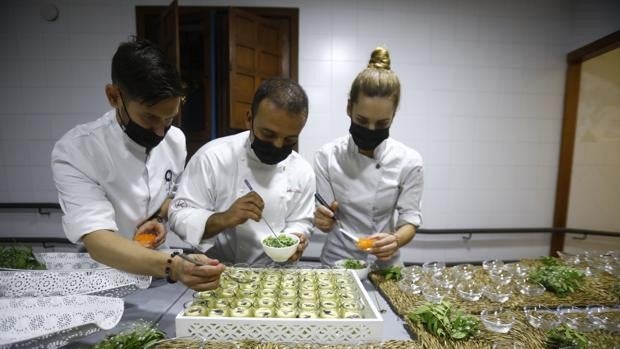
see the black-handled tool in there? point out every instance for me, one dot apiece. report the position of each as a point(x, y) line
point(322, 201)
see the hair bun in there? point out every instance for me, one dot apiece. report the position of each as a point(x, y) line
point(379, 59)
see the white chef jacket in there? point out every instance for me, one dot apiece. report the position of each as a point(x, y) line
point(105, 180)
point(376, 195)
point(213, 180)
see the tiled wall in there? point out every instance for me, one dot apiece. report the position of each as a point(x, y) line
point(481, 100)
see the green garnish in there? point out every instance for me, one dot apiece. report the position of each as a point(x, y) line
point(140, 336)
point(19, 258)
point(445, 321)
point(353, 264)
point(557, 278)
point(392, 273)
point(282, 240)
point(551, 261)
point(565, 337)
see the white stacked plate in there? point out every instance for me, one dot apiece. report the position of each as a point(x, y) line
point(51, 322)
point(69, 274)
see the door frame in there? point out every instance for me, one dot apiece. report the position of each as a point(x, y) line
point(574, 60)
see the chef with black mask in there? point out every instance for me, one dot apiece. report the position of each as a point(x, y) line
point(116, 175)
point(215, 206)
point(372, 182)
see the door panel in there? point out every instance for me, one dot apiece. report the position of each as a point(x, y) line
point(268, 64)
point(595, 184)
point(255, 55)
point(245, 59)
point(169, 40)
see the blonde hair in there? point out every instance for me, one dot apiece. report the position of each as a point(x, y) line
point(377, 80)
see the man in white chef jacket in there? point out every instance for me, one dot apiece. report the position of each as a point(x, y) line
point(213, 199)
point(116, 176)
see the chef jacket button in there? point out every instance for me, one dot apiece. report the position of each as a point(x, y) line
point(378, 166)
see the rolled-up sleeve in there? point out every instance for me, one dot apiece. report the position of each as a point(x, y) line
point(409, 204)
point(194, 201)
point(299, 216)
point(83, 201)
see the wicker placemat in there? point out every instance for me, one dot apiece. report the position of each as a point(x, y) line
point(596, 290)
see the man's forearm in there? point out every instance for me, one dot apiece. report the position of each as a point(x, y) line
point(112, 249)
point(163, 210)
point(216, 223)
point(404, 234)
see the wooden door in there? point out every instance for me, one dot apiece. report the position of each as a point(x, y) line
point(594, 193)
point(169, 40)
point(587, 186)
point(254, 55)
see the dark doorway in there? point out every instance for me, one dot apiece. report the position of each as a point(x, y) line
point(223, 53)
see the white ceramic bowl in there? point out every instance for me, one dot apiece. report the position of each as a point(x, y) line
point(281, 254)
point(361, 273)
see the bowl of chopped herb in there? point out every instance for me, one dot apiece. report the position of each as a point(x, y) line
point(280, 248)
point(360, 267)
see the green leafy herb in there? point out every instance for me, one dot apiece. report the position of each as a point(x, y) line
point(18, 258)
point(353, 264)
point(551, 261)
point(392, 273)
point(282, 240)
point(557, 278)
point(565, 337)
point(140, 336)
point(445, 321)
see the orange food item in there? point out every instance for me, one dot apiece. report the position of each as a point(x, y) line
point(145, 239)
point(365, 243)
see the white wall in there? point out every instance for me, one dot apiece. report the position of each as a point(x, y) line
point(482, 97)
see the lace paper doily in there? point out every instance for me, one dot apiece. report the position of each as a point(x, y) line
point(42, 322)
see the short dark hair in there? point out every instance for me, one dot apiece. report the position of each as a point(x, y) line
point(284, 93)
point(142, 72)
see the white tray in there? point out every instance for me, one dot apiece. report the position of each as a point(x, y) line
point(100, 282)
point(323, 331)
point(51, 322)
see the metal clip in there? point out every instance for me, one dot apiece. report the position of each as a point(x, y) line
point(467, 236)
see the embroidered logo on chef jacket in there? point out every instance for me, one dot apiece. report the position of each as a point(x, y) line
point(180, 204)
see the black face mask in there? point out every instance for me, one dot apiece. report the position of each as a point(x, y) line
point(269, 154)
point(366, 139)
point(139, 134)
